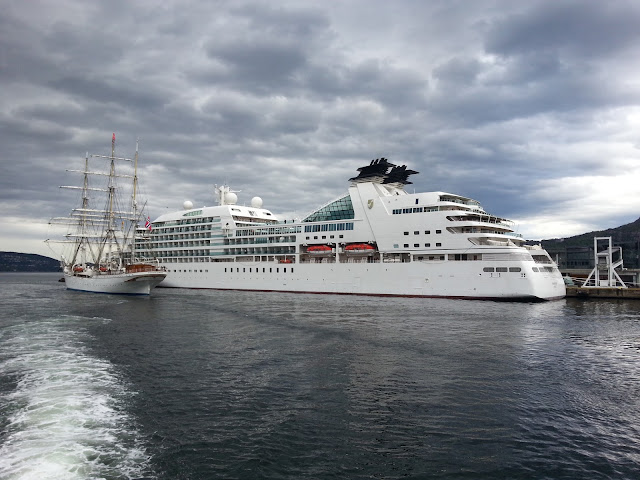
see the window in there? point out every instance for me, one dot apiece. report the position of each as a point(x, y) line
point(406, 245)
point(438, 231)
point(427, 232)
point(406, 233)
point(416, 245)
point(438, 244)
point(501, 269)
point(488, 269)
point(515, 269)
point(427, 244)
point(416, 233)
point(337, 210)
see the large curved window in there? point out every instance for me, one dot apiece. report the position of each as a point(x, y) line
point(340, 209)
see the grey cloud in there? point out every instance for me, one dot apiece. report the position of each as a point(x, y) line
point(574, 27)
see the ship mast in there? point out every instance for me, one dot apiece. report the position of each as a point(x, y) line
point(83, 217)
point(110, 236)
point(134, 204)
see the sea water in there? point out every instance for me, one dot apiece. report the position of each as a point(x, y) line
point(196, 384)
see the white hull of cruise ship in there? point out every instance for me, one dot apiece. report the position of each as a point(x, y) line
point(403, 280)
point(140, 283)
point(375, 240)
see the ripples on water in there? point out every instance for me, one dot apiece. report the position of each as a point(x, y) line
point(63, 414)
point(202, 384)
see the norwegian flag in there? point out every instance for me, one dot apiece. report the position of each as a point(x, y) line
point(147, 224)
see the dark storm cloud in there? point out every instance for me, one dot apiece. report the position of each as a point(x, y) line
point(575, 29)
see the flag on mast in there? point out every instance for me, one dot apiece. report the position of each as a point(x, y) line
point(147, 224)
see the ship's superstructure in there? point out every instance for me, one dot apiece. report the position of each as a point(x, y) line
point(377, 239)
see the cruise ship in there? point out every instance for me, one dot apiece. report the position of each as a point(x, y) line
point(377, 239)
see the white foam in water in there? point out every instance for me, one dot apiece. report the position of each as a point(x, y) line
point(66, 418)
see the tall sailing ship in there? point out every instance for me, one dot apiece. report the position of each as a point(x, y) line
point(102, 256)
point(377, 239)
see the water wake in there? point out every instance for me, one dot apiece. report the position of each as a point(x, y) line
point(63, 410)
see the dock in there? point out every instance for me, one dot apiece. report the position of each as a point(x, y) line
point(603, 292)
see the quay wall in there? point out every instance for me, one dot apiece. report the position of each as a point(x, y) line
point(603, 292)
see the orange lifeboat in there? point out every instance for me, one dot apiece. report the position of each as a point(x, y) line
point(78, 269)
point(286, 260)
point(359, 248)
point(316, 249)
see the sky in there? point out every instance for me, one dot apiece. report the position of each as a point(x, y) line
point(530, 107)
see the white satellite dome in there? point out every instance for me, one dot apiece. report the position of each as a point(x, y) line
point(187, 205)
point(256, 202)
point(230, 198)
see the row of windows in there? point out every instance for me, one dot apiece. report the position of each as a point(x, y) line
point(329, 227)
point(257, 270)
point(426, 232)
point(324, 237)
point(399, 211)
point(502, 269)
point(417, 245)
point(189, 221)
point(177, 229)
point(268, 231)
point(247, 241)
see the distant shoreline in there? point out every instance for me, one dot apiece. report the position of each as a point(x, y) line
point(14, 262)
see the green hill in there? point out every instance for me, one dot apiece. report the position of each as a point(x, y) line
point(27, 262)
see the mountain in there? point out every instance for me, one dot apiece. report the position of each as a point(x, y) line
point(577, 251)
point(623, 234)
point(27, 262)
